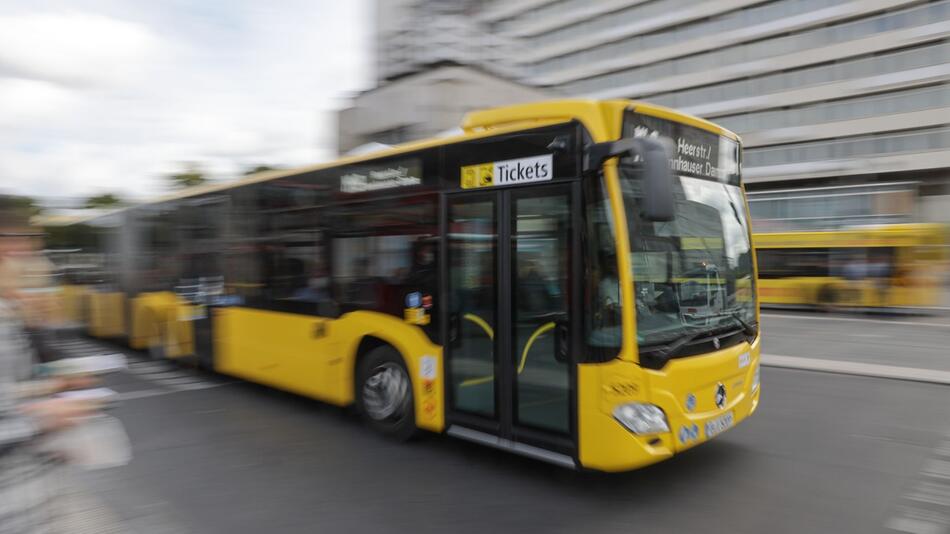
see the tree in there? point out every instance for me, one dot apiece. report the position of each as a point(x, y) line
point(259, 168)
point(190, 176)
point(11, 203)
point(107, 200)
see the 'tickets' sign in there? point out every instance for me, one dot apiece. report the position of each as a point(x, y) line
point(508, 172)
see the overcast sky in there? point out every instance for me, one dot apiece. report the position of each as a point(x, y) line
point(110, 96)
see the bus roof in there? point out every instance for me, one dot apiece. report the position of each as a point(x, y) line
point(602, 118)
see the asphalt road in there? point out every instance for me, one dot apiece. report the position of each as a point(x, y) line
point(825, 453)
point(915, 341)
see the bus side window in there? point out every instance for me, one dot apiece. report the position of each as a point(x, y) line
point(791, 263)
point(278, 259)
point(602, 322)
point(382, 251)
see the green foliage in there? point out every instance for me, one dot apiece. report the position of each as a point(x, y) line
point(107, 200)
point(259, 168)
point(192, 175)
point(11, 203)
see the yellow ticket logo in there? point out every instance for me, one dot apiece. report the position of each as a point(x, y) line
point(480, 175)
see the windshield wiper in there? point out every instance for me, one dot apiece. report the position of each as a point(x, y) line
point(747, 327)
point(666, 350)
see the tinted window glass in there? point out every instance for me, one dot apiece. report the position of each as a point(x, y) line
point(383, 251)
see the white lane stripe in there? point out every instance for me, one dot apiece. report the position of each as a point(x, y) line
point(150, 368)
point(937, 468)
point(181, 380)
point(930, 493)
point(852, 319)
point(198, 385)
point(132, 395)
point(857, 368)
point(162, 375)
point(146, 393)
point(914, 526)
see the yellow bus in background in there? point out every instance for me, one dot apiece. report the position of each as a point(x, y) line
point(572, 281)
point(865, 267)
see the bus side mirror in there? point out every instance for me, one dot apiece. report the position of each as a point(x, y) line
point(654, 158)
point(657, 181)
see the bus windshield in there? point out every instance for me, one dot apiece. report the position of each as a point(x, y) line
point(693, 275)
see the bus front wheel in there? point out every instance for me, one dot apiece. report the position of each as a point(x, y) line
point(384, 393)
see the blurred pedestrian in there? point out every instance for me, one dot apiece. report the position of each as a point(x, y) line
point(30, 479)
point(27, 277)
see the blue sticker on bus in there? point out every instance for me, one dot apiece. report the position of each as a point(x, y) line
point(414, 299)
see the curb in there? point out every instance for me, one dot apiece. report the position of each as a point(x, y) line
point(873, 370)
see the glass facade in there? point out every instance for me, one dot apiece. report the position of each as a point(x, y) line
point(756, 67)
point(769, 13)
point(722, 57)
point(773, 82)
point(852, 147)
point(930, 97)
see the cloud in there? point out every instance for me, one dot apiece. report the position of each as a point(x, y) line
point(73, 48)
point(25, 101)
point(110, 96)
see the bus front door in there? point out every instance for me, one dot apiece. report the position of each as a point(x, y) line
point(508, 273)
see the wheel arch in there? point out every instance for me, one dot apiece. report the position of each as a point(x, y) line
point(371, 330)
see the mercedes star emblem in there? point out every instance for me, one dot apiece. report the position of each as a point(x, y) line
point(720, 395)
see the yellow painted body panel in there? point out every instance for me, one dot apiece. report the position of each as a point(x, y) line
point(163, 318)
point(606, 445)
point(283, 350)
point(808, 291)
point(895, 235)
point(106, 314)
point(700, 375)
point(74, 303)
point(148, 311)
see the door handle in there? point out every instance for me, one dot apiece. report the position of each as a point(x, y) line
point(562, 340)
point(455, 326)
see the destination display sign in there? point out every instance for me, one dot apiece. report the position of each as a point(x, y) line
point(696, 152)
point(373, 177)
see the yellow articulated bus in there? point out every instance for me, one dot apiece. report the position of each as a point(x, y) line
point(572, 281)
point(866, 267)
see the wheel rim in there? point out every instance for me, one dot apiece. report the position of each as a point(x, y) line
point(386, 392)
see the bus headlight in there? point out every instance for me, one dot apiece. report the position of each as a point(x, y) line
point(641, 418)
point(755, 378)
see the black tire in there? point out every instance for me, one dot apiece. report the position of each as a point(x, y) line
point(378, 377)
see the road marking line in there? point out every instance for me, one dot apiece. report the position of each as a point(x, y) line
point(930, 493)
point(914, 526)
point(142, 394)
point(937, 468)
point(147, 393)
point(181, 381)
point(162, 375)
point(852, 319)
point(857, 368)
point(198, 385)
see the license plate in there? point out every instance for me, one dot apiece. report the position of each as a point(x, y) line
point(718, 425)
